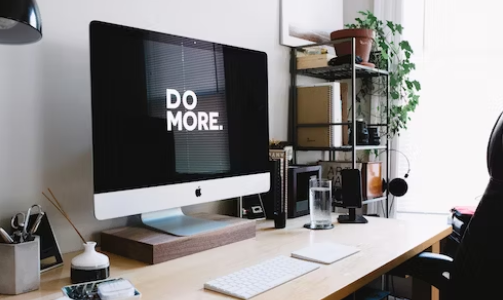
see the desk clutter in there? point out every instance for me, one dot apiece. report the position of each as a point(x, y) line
point(371, 177)
point(89, 265)
point(292, 195)
point(109, 289)
point(29, 250)
point(19, 267)
point(20, 253)
point(22, 229)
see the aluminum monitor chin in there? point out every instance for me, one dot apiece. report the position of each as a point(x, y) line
point(176, 121)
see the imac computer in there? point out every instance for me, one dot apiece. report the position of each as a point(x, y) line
point(176, 121)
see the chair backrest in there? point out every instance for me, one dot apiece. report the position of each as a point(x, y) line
point(478, 263)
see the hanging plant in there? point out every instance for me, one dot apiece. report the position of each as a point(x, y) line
point(403, 91)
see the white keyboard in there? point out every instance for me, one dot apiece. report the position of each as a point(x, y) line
point(254, 280)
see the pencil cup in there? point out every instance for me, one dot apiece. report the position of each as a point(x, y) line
point(19, 267)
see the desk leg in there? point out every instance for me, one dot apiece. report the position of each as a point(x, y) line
point(435, 293)
point(422, 290)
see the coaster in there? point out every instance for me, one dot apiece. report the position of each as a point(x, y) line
point(308, 226)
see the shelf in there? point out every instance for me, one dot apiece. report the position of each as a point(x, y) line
point(323, 124)
point(370, 147)
point(364, 202)
point(374, 200)
point(336, 124)
point(342, 148)
point(333, 73)
point(332, 42)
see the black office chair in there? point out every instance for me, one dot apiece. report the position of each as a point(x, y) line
point(476, 272)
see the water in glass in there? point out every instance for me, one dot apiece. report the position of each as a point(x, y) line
point(320, 201)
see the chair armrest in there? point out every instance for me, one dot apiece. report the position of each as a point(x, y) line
point(429, 267)
point(434, 262)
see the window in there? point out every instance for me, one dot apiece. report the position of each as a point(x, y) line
point(458, 46)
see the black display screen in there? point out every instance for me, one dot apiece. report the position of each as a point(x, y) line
point(168, 109)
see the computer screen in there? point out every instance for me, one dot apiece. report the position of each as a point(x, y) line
point(168, 109)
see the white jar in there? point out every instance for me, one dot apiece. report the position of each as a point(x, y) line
point(90, 265)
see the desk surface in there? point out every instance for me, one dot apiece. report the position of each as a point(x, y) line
point(384, 244)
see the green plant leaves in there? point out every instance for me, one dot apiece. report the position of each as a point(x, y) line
point(399, 28)
point(417, 85)
point(406, 46)
point(402, 90)
point(391, 26)
point(384, 54)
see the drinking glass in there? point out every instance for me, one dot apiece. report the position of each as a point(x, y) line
point(320, 204)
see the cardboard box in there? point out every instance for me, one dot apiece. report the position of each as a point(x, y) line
point(313, 61)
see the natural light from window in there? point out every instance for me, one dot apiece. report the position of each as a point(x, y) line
point(460, 68)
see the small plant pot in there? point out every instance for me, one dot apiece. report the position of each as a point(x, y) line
point(364, 40)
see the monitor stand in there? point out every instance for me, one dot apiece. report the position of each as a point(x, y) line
point(175, 222)
point(352, 218)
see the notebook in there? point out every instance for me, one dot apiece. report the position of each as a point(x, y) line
point(325, 253)
point(319, 103)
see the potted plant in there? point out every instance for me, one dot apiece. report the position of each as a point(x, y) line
point(404, 91)
point(363, 37)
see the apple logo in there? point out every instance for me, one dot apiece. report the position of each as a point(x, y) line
point(198, 192)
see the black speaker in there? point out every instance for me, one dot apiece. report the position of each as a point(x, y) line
point(272, 199)
point(351, 188)
point(351, 196)
point(298, 189)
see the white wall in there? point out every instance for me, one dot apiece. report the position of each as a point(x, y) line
point(45, 120)
point(352, 7)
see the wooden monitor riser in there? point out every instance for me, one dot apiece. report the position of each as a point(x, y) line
point(152, 246)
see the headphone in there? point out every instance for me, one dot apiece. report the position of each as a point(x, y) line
point(397, 186)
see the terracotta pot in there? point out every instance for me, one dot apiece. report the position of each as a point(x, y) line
point(364, 39)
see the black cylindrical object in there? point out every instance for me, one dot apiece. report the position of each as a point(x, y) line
point(362, 134)
point(374, 138)
point(279, 220)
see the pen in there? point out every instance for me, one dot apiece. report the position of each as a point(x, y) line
point(6, 237)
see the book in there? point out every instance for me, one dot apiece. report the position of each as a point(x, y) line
point(319, 104)
point(345, 112)
point(332, 170)
point(325, 253)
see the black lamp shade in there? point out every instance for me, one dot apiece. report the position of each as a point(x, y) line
point(20, 22)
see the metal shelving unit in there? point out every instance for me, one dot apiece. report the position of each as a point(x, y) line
point(333, 73)
point(350, 71)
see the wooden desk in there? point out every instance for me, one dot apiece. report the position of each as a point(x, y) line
point(384, 244)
